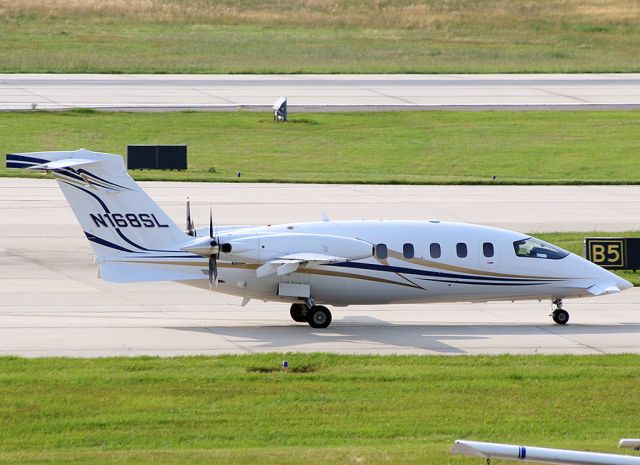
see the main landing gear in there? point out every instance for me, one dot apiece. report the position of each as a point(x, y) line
point(559, 315)
point(317, 316)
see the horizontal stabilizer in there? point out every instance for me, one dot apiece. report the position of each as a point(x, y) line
point(60, 160)
point(130, 272)
point(60, 164)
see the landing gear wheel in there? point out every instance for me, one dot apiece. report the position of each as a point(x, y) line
point(318, 316)
point(298, 313)
point(560, 316)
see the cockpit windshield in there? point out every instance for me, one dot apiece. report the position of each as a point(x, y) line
point(535, 248)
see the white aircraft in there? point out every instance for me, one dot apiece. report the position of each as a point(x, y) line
point(491, 450)
point(336, 263)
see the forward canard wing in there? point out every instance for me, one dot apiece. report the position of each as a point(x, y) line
point(602, 289)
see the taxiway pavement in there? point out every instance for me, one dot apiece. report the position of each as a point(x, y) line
point(51, 302)
point(319, 92)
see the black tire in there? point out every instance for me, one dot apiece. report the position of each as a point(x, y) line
point(560, 316)
point(298, 313)
point(319, 317)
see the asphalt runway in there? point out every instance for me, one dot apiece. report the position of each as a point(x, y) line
point(319, 92)
point(51, 302)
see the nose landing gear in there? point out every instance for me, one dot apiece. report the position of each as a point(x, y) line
point(559, 315)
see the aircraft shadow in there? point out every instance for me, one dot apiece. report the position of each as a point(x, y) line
point(356, 337)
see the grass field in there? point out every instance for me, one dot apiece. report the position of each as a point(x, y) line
point(328, 409)
point(436, 147)
point(318, 36)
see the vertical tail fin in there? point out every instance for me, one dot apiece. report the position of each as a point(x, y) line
point(117, 216)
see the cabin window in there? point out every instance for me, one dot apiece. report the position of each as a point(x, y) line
point(461, 249)
point(381, 251)
point(487, 249)
point(407, 250)
point(535, 248)
point(434, 250)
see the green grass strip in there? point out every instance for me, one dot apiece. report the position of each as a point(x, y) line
point(296, 36)
point(436, 147)
point(327, 409)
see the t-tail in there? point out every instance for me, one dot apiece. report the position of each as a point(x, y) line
point(132, 237)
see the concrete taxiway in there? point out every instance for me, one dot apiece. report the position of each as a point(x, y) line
point(319, 92)
point(51, 302)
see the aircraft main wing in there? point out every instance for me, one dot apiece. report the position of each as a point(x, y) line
point(539, 454)
point(290, 263)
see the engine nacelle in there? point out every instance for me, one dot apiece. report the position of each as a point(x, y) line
point(260, 249)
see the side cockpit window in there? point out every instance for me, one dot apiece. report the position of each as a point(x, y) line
point(535, 248)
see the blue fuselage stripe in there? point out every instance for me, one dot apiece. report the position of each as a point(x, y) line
point(435, 274)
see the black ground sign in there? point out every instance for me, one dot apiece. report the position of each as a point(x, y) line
point(613, 252)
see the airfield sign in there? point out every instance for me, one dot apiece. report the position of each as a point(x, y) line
point(622, 253)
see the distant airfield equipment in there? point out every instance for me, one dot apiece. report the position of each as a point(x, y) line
point(280, 110)
point(157, 157)
point(491, 450)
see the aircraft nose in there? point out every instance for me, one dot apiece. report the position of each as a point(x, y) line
point(623, 283)
point(619, 282)
point(606, 277)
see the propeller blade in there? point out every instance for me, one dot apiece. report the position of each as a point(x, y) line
point(212, 267)
point(191, 230)
point(211, 223)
